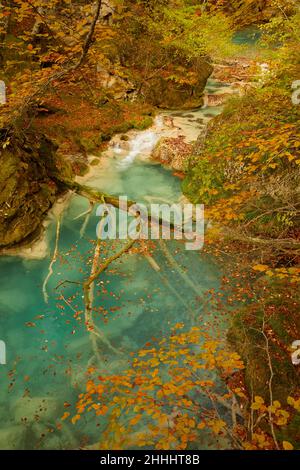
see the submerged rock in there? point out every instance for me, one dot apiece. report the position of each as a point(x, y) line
point(216, 99)
point(29, 410)
point(12, 438)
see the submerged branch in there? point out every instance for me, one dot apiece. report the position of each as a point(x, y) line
point(279, 244)
point(88, 295)
point(53, 261)
point(178, 268)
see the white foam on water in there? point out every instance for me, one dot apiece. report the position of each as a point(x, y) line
point(143, 143)
point(117, 149)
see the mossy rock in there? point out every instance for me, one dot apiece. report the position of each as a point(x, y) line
point(95, 162)
point(142, 124)
point(88, 145)
point(28, 186)
point(166, 93)
point(246, 338)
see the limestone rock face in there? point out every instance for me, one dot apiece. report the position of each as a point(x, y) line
point(172, 151)
point(27, 187)
point(165, 93)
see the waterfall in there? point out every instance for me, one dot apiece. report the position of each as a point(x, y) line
point(142, 143)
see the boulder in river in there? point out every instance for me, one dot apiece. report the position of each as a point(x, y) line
point(164, 92)
point(172, 151)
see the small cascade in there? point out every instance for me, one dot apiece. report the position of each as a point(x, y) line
point(215, 94)
point(117, 149)
point(143, 143)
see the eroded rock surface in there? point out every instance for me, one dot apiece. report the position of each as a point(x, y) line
point(28, 186)
point(172, 151)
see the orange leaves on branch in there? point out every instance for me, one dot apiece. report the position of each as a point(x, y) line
point(159, 390)
point(295, 403)
point(217, 425)
point(287, 445)
point(75, 419)
point(261, 268)
point(259, 404)
point(292, 274)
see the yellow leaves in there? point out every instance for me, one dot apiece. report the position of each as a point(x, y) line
point(252, 168)
point(292, 274)
point(211, 346)
point(249, 446)
point(260, 267)
point(65, 416)
point(135, 420)
point(205, 383)
point(230, 186)
point(169, 389)
point(102, 411)
point(213, 192)
point(259, 404)
point(294, 403)
point(6, 143)
point(165, 395)
point(261, 440)
point(145, 352)
point(239, 393)
point(192, 423)
point(75, 419)
point(162, 420)
point(201, 425)
point(178, 326)
point(155, 373)
point(217, 425)
point(287, 445)
point(281, 417)
point(273, 165)
point(166, 443)
point(229, 362)
point(186, 403)
point(90, 386)
point(96, 406)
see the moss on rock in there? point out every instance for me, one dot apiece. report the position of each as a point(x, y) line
point(28, 187)
point(166, 93)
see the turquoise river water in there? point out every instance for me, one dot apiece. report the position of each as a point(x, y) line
point(47, 348)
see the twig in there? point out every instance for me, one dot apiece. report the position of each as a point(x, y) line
point(53, 261)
